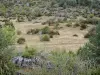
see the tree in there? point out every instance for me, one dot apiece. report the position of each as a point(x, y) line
point(91, 50)
point(6, 42)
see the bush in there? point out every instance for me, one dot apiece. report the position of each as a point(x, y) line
point(19, 32)
point(43, 23)
point(56, 26)
point(75, 35)
point(37, 12)
point(33, 31)
point(57, 33)
point(8, 23)
point(50, 22)
point(36, 31)
point(7, 38)
point(29, 18)
point(20, 19)
point(21, 40)
point(45, 30)
point(29, 52)
point(83, 26)
point(90, 33)
point(51, 36)
point(76, 25)
point(54, 32)
point(91, 15)
point(90, 21)
point(68, 25)
point(45, 38)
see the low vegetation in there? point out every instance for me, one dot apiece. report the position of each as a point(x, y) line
point(45, 38)
point(50, 23)
point(21, 40)
point(29, 52)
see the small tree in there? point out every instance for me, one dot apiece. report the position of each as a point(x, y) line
point(91, 50)
point(6, 42)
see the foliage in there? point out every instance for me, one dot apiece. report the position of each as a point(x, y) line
point(33, 31)
point(63, 63)
point(45, 38)
point(69, 25)
point(91, 50)
point(37, 12)
point(7, 36)
point(83, 26)
point(29, 52)
point(20, 19)
point(9, 23)
point(45, 30)
point(21, 40)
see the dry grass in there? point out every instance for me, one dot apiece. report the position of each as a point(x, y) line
point(63, 41)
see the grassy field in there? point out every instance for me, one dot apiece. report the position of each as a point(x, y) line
point(65, 40)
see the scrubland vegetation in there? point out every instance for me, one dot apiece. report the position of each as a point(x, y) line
point(49, 37)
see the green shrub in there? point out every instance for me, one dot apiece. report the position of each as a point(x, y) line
point(29, 18)
point(91, 15)
point(21, 40)
point(29, 52)
point(37, 12)
point(45, 38)
point(8, 23)
point(45, 30)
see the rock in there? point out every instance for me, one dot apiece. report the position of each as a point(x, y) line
point(49, 65)
point(29, 63)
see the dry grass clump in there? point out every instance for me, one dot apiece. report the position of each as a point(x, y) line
point(52, 32)
point(90, 21)
point(19, 32)
point(51, 22)
point(20, 19)
point(75, 35)
point(76, 25)
point(83, 26)
point(33, 31)
point(69, 25)
point(21, 40)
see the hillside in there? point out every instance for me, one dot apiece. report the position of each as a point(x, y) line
point(49, 37)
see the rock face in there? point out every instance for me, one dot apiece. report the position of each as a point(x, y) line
point(32, 63)
point(25, 62)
